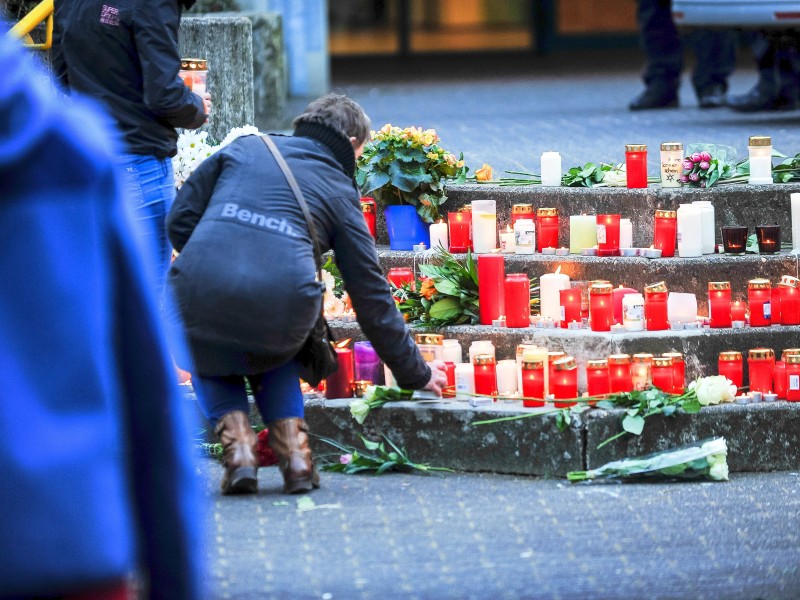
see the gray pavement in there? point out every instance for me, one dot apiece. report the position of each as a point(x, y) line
point(489, 536)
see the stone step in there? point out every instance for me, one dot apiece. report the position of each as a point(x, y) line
point(700, 347)
point(734, 205)
point(690, 275)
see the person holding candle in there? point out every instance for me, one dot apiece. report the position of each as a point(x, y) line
point(247, 318)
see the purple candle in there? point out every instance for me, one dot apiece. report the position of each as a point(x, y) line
point(368, 366)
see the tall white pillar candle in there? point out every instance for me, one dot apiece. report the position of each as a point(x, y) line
point(507, 377)
point(439, 235)
point(551, 169)
point(709, 231)
point(582, 232)
point(465, 380)
point(760, 150)
point(484, 226)
point(451, 351)
point(795, 201)
point(625, 233)
point(690, 231)
point(550, 286)
point(681, 307)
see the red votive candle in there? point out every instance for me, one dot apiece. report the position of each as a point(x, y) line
point(368, 208)
point(738, 311)
point(760, 362)
point(636, 165)
point(655, 307)
point(450, 372)
point(546, 228)
point(533, 382)
point(491, 287)
point(339, 384)
point(790, 300)
point(678, 371)
point(617, 296)
point(642, 371)
point(731, 365)
point(793, 378)
point(758, 299)
point(400, 275)
point(665, 232)
point(522, 211)
point(719, 303)
point(485, 375)
point(552, 357)
point(565, 383)
point(608, 235)
point(619, 373)
point(779, 381)
point(518, 300)
point(601, 309)
point(570, 306)
point(460, 226)
point(662, 373)
point(597, 377)
point(775, 305)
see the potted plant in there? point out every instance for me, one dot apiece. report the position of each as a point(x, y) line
point(405, 170)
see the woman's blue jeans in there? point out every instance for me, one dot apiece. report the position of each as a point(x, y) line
point(277, 394)
point(150, 187)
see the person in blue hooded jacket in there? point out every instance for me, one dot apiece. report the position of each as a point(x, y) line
point(96, 481)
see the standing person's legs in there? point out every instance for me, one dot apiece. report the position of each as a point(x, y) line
point(150, 185)
point(664, 59)
point(223, 401)
point(715, 60)
point(280, 402)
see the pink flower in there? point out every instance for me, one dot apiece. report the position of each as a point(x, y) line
point(688, 165)
point(704, 165)
point(696, 157)
point(346, 459)
point(705, 156)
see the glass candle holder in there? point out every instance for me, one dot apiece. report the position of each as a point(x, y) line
point(665, 232)
point(478, 347)
point(769, 238)
point(636, 165)
point(368, 209)
point(662, 373)
point(608, 235)
point(759, 293)
point(518, 300)
point(368, 366)
point(678, 371)
point(619, 373)
point(601, 307)
point(597, 383)
point(582, 233)
point(671, 164)
point(450, 373)
point(655, 307)
point(719, 303)
point(760, 363)
point(789, 300)
point(570, 306)
point(460, 225)
point(533, 383)
point(731, 365)
point(524, 236)
point(484, 226)
point(485, 375)
point(521, 211)
point(451, 351)
point(641, 371)
point(547, 235)
point(793, 378)
point(565, 381)
point(399, 275)
point(339, 384)
point(734, 239)
point(194, 74)
point(760, 150)
point(430, 346)
point(779, 382)
point(552, 357)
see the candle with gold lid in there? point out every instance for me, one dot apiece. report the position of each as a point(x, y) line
point(565, 381)
point(636, 165)
point(759, 292)
point(597, 377)
point(678, 371)
point(662, 373)
point(760, 364)
point(194, 72)
point(760, 150)
point(665, 232)
point(641, 374)
point(731, 365)
point(671, 164)
point(619, 373)
point(601, 307)
point(793, 378)
point(790, 300)
point(719, 303)
point(547, 225)
point(430, 346)
point(655, 307)
point(521, 211)
point(533, 373)
point(485, 375)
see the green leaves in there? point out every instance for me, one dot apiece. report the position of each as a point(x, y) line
point(445, 309)
point(377, 460)
point(633, 424)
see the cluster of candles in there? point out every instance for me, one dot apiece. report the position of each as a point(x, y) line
point(769, 379)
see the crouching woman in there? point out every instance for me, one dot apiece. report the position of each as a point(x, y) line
point(246, 290)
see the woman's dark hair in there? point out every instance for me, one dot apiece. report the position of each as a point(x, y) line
point(337, 112)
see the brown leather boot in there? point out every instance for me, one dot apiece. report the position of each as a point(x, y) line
point(288, 438)
point(238, 454)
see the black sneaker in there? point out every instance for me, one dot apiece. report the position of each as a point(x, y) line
point(654, 97)
point(756, 101)
point(712, 97)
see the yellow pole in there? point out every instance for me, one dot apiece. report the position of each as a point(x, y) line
point(40, 12)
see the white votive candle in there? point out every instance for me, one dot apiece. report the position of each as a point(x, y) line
point(582, 232)
point(551, 169)
point(508, 243)
point(760, 150)
point(465, 380)
point(625, 233)
point(690, 231)
point(507, 377)
point(451, 351)
point(682, 307)
point(439, 235)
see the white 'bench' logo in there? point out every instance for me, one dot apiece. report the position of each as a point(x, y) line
point(233, 211)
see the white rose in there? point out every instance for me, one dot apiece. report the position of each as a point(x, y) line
point(328, 280)
point(359, 409)
point(713, 390)
point(719, 471)
point(617, 176)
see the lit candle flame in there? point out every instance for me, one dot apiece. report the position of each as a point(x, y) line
point(343, 343)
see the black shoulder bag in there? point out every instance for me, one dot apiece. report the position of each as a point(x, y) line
point(317, 358)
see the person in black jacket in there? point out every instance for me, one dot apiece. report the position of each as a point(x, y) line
point(125, 54)
point(246, 289)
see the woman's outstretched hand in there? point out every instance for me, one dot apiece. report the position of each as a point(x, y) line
point(438, 380)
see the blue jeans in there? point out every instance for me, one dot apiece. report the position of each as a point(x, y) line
point(150, 187)
point(277, 393)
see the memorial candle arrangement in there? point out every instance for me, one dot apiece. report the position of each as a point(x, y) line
point(601, 309)
point(636, 165)
point(678, 371)
point(662, 373)
point(641, 371)
point(491, 287)
point(719, 303)
point(570, 300)
point(655, 307)
point(430, 346)
point(665, 231)
point(608, 235)
point(760, 363)
point(730, 364)
point(368, 209)
point(547, 236)
point(517, 300)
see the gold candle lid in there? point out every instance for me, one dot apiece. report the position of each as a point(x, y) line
point(666, 214)
point(619, 359)
point(555, 354)
point(429, 338)
point(598, 363)
point(565, 364)
point(716, 286)
point(466, 208)
point(598, 282)
point(194, 64)
point(635, 147)
point(547, 212)
point(789, 352)
point(676, 357)
point(666, 146)
point(367, 207)
point(730, 356)
point(760, 140)
point(761, 353)
point(522, 209)
point(485, 359)
point(528, 365)
point(662, 361)
point(653, 288)
point(643, 357)
point(759, 284)
point(792, 359)
point(601, 288)
point(789, 281)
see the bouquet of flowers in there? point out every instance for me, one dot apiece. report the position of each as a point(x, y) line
point(704, 459)
point(408, 166)
point(335, 300)
point(195, 146)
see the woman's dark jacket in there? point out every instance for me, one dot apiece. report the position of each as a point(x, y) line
point(245, 281)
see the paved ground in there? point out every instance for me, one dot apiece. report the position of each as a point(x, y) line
point(490, 536)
